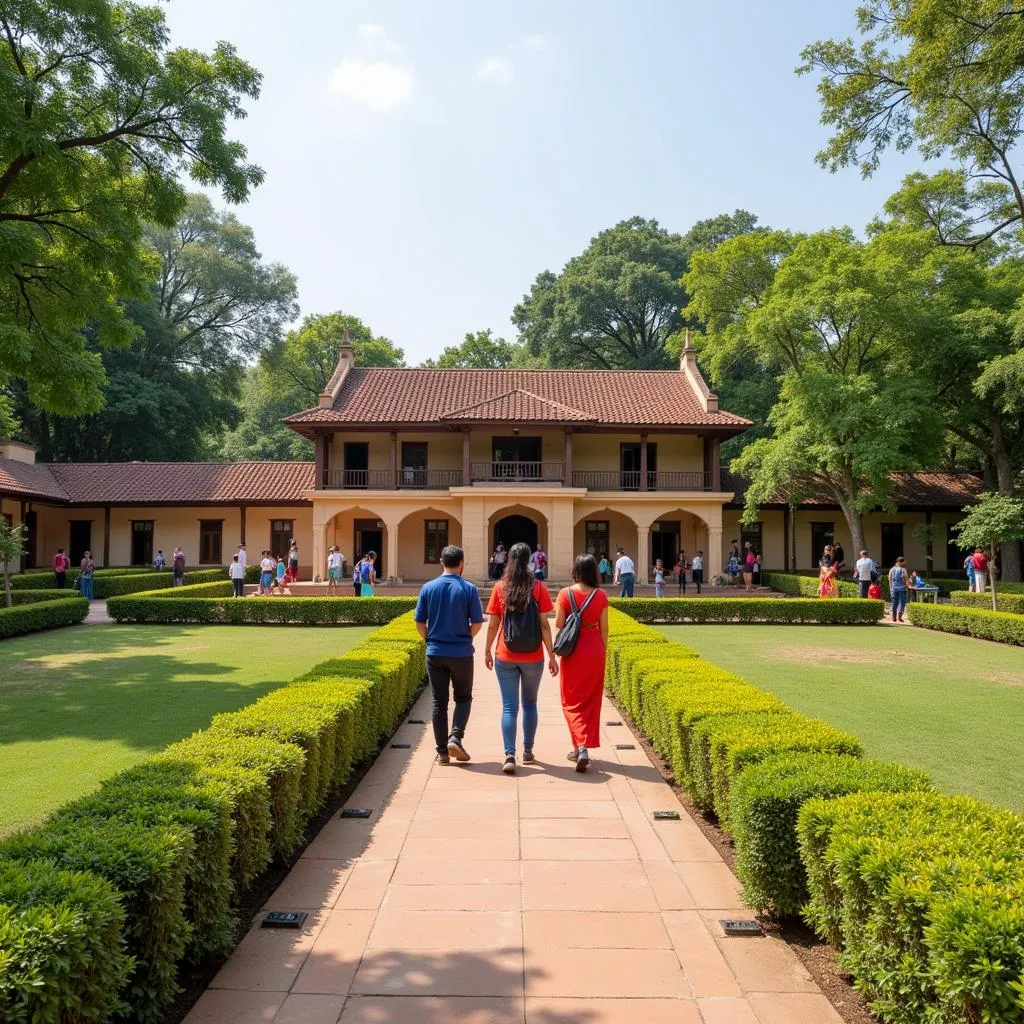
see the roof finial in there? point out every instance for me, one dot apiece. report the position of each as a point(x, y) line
point(345, 339)
point(689, 347)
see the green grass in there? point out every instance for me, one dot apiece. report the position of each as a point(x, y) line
point(78, 705)
point(951, 705)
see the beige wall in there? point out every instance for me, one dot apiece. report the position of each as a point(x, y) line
point(444, 448)
point(411, 540)
point(676, 452)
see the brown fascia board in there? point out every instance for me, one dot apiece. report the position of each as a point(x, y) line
point(311, 429)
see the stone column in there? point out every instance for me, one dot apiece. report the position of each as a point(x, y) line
point(643, 552)
point(474, 539)
point(561, 549)
point(391, 540)
point(643, 462)
point(714, 554)
point(319, 540)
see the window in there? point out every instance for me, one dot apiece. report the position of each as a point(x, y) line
point(211, 531)
point(821, 534)
point(629, 465)
point(754, 534)
point(435, 540)
point(281, 534)
point(597, 538)
point(142, 542)
point(892, 543)
point(414, 464)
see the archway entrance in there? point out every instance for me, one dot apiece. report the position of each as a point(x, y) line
point(513, 530)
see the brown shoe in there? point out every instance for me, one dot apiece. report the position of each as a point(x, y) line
point(456, 749)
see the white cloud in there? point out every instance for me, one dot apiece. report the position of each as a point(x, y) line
point(495, 69)
point(534, 42)
point(371, 78)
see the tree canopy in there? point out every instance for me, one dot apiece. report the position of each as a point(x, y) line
point(100, 118)
point(946, 78)
point(478, 351)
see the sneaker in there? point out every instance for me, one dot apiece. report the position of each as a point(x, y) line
point(573, 755)
point(528, 757)
point(443, 759)
point(456, 749)
point(509, 767)
point(582, 759)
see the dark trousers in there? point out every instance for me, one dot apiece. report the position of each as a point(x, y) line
point(862, 587)
point(698, 578)
point(456, 673)
point(357, 585)
point(62, 580)
point(237, 584)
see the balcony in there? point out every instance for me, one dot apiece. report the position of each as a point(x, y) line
point(383, 480)
point(517, 473)
point(626, 480)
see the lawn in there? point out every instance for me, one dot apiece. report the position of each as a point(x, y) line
point(77, 705)
point(951, 705)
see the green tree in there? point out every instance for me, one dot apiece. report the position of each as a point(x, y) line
point(828, 311)
point(996, 519)
point(615, 305)
point(942, 76)
point(99, 118)
point(290, 376)
point(710, 233)
point(478, 351)
point(12, 547)
point(215, 305)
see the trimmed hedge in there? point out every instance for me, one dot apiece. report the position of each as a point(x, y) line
point(924, 895)
point(111, 582)
point(292, 611)
point(840, 611)
point(766, 800)
point(181, 835)
point(1003, 627)
point(60, 945)
point(804, 586)
point(1013, 603)
point(1016, 589)
point(32, 618)
point(20, 597)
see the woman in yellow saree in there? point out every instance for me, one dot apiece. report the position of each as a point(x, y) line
point(828, 585)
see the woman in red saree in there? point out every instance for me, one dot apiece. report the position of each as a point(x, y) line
point(828, 585)
point(581, 673)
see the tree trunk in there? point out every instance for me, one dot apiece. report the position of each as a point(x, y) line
point(7, 584)
point(1011, 551)
point(992, 576)
point(856, 524)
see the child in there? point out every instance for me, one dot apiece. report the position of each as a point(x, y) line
point(917, 581)
point(279, 572)
point(680, 570)
point(875, 591)
point(367, 575)
point(237, 573)
point(161, 563)
point(604, 567)
point(659, 579)
point(698, 569)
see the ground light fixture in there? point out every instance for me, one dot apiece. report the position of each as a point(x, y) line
point(356, 812)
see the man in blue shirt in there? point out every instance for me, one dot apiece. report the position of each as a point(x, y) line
point(448, 616)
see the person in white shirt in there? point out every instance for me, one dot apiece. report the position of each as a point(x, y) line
point(697, 568)
point(243, 557)
point(625, 573)
point(333, 570)
point(267, 565)
point(865, 569)
point(237, 573)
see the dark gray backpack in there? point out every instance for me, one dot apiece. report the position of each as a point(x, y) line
point(565, 640)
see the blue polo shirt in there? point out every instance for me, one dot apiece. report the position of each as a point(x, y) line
point(448, 605)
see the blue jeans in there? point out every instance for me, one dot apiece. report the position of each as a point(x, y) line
point(626, 581)
point(513, 675)
point(85, 586)
point(899, 602)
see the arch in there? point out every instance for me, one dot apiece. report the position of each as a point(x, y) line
point(597, 513)
point(419, 539)
point(432, 512)
point(604, 530)
point(517, 522)
point(357, 529)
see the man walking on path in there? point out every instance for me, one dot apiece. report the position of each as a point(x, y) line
point(625, 573)
point(448, 616)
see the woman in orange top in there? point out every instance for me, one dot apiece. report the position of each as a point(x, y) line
point(582, 675)
point(519, 600)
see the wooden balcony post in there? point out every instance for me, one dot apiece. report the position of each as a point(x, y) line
point(568, 458)
point(465, 458)
point(394, 460)
point(643, 462)
point(320, 446)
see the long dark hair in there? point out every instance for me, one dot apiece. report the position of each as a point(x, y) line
point(517, 579)
point(585, 571)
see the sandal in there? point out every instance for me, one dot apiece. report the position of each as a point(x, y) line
point(582, 764)
point(573, 755)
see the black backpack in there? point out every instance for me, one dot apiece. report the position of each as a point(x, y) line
point(521, 630)
point(565, 640)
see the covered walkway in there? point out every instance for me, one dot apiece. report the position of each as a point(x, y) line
point(470, 897)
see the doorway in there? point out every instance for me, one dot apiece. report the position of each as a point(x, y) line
point(142, 542)
point(513, 530)
point(357, 464)
point(665, 543)
point(821, 534)
point(629, 465)
point(515, 458)
point(81, 539)
point(369, 536)
point(892, 543)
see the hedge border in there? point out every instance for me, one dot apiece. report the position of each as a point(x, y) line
point(760, 610)
point(1013, 603)
point(179, 836)
point(34, 618)
point(980, 623)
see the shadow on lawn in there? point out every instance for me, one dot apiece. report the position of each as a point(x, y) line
point(88, 685)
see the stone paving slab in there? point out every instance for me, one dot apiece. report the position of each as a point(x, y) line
point(471, 897)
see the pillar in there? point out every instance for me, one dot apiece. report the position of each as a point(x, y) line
point(561, 550)
point(319, 481)
point(474, 539)
point(23, 560)
point(466, 464)
point(714, 553)
point(643, 552)
point(394, 463)
point(643, 465)
point(929, 550)
point(241, 524)
point(716, 463)
point(786, 527)
point(391, 540)
point(319, 542)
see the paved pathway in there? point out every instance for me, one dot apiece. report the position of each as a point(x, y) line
point(475, 898)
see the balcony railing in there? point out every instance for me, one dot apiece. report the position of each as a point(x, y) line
point(628, 480)
point(382, 479)
point(517, 472)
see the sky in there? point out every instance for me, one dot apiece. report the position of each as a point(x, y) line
point(426, 160)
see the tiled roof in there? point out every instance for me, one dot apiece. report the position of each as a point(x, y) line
point(105, 483)
point(922, 489)
point(29, 479)
point(613, 397)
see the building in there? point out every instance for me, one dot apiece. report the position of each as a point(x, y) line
point(408, 460)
